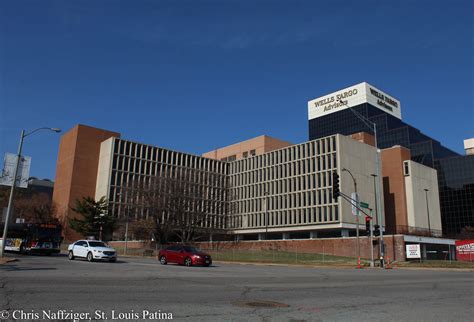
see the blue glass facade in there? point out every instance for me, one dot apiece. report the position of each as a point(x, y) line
point(456, 193)
point(390, 131)
point(455, 172)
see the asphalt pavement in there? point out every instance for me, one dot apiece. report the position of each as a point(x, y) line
point(137, 289)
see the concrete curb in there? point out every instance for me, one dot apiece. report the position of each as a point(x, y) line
point(7, 260)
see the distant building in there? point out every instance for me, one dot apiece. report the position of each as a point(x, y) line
point(245, 149)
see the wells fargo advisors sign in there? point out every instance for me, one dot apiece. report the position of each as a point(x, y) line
point(352, 96)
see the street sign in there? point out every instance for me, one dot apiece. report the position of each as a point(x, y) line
point(364, 205)
point(413, 251)
point(355, 202)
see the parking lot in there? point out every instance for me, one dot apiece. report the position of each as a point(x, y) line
point(232, 292)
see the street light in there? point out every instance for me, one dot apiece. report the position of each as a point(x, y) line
point(266, 214)
point(357, 213)
point(428, 211)
point(373, 126)
point(15, 173)
point(127, 211)
point(100, 221)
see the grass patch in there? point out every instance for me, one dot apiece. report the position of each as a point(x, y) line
point(279, 257)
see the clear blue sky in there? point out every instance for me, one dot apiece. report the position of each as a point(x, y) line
point(197, 75)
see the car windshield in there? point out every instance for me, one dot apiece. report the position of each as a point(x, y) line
point(190, 249)
point(97, 244)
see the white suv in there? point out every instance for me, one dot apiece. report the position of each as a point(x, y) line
point(92, 250)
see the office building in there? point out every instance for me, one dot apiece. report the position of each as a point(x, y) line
point(330, 114)
point(280, 194)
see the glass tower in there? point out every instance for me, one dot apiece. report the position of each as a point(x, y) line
point(455, 171)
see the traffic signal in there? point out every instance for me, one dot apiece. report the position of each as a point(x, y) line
point(367, 225)
point(376, 230)
point(335, 186)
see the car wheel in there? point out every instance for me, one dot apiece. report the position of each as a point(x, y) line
point(188, 262)
point(70, 255)
point(90, 258)
point(22, 249)
point(163, 260)
point(113, 260)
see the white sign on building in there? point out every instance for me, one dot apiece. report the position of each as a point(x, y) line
point(352, 96)
point(413, 251)
point(8, 171)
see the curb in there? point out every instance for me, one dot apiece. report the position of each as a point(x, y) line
point(8, 260)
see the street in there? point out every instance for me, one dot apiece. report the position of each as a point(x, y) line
point(54, 287)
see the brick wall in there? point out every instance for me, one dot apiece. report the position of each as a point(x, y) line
point(394, 246)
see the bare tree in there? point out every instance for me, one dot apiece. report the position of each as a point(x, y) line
point(34, 208)
point(185, 203)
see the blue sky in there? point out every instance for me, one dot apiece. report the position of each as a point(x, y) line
point(197, 75)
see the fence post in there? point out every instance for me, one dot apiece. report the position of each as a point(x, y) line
point(296, 252)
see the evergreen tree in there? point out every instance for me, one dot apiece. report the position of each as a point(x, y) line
point(94, 216)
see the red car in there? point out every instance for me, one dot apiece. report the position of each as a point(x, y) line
point(184, 255)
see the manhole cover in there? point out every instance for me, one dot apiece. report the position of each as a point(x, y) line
point(262, 304)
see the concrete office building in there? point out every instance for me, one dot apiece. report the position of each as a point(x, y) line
point(284, 193)
point(123, 163)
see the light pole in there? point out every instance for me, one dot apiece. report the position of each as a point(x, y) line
point(266, 214)
point(357, 213)
point(100, 222)
point(428, 211)
point(375, 185)
point(372, 264)
point(15, 173)
point(373, 126)
point(127, 218)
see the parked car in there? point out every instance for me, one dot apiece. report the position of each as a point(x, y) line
point(92, 250)
point(184, 255)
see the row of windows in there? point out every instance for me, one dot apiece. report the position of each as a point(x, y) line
point(289, 154)
point(141, 152)
point(293, 200)
point(197, 177)
point(315, 215)
point(315, 181)
point(296, 168)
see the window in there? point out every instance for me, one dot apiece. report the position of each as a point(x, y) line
point(231, 158)
point(406, 169)
point(245, 154)
point(252, 152)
